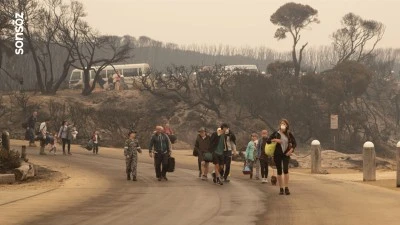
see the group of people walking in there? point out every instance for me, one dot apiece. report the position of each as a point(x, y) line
point(217, 148)
point(221, 146)
point(64, 135)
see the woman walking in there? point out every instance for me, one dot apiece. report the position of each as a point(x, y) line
point(65, 134)
point(251, 152)
point(202, 146)
point(285, 145)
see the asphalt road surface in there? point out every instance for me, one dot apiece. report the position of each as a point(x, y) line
point(185, 199)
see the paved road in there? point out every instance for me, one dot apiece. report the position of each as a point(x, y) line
point(185, 199)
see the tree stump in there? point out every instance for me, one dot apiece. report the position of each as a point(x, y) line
point(369, 162)
point(25, 171)
point(5, 141)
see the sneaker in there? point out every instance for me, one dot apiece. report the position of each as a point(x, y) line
point(287, 192)
point(203, 177)
point(281, 191)
point(219, 181)
point(134, 178)
point(165, 178)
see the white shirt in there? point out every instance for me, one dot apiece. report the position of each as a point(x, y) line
point(43, 128)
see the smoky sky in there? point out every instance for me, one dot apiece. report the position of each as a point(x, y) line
point(232, 22)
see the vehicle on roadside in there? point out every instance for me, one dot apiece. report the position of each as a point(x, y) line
point(237, 69)
point(129, 72)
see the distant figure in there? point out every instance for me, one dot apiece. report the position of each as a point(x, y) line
point(96, 142)
point(117, 80)
point(31, 124)
point(65, 133)
point(131, 149)
point(285, 145)
point(162, 151)
point(202, 146)
point(251, 152)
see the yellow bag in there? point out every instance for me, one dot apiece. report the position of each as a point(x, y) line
point(270, 149)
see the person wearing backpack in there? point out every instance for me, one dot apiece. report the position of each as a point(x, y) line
point(30, 129)
point(285, 146)
point(202, 146)
point(65, 133)
point(251, 152)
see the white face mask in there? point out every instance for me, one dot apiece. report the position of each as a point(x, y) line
point(283, 127)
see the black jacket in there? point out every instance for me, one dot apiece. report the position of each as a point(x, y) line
point(278, 150)
point(161, 143)
point(32, 122)
point(202, 145)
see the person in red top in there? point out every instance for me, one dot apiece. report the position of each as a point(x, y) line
point(171, 134)
point(168, 130)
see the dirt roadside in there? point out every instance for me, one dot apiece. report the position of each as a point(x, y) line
point(70, 187)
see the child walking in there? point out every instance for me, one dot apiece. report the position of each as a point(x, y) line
point(131, 149)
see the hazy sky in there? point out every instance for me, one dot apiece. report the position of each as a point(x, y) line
point(233, 22)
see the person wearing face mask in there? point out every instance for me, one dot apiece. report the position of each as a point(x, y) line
point(285, 146)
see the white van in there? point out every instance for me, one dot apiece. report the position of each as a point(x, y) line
point(232, 68)
point(128, 71)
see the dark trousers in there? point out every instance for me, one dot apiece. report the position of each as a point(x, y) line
point(199, 164)
point(66, 141)
point(264, 168)
point(281, 163)
point(227, 164)
point(31, 134)
point(161, 160)
point(95, 148)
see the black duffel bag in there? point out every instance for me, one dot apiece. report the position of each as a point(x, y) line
point(171, 164)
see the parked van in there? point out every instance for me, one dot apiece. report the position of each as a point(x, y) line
point(129, 72)
point(232, 68)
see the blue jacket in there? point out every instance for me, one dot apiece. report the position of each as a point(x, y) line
point(250, 150)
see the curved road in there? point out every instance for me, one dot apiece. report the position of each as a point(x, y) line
point(185, 199)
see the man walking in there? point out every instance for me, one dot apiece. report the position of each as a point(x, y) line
point(229, 148)
point(31, 128)
point(162, 151)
